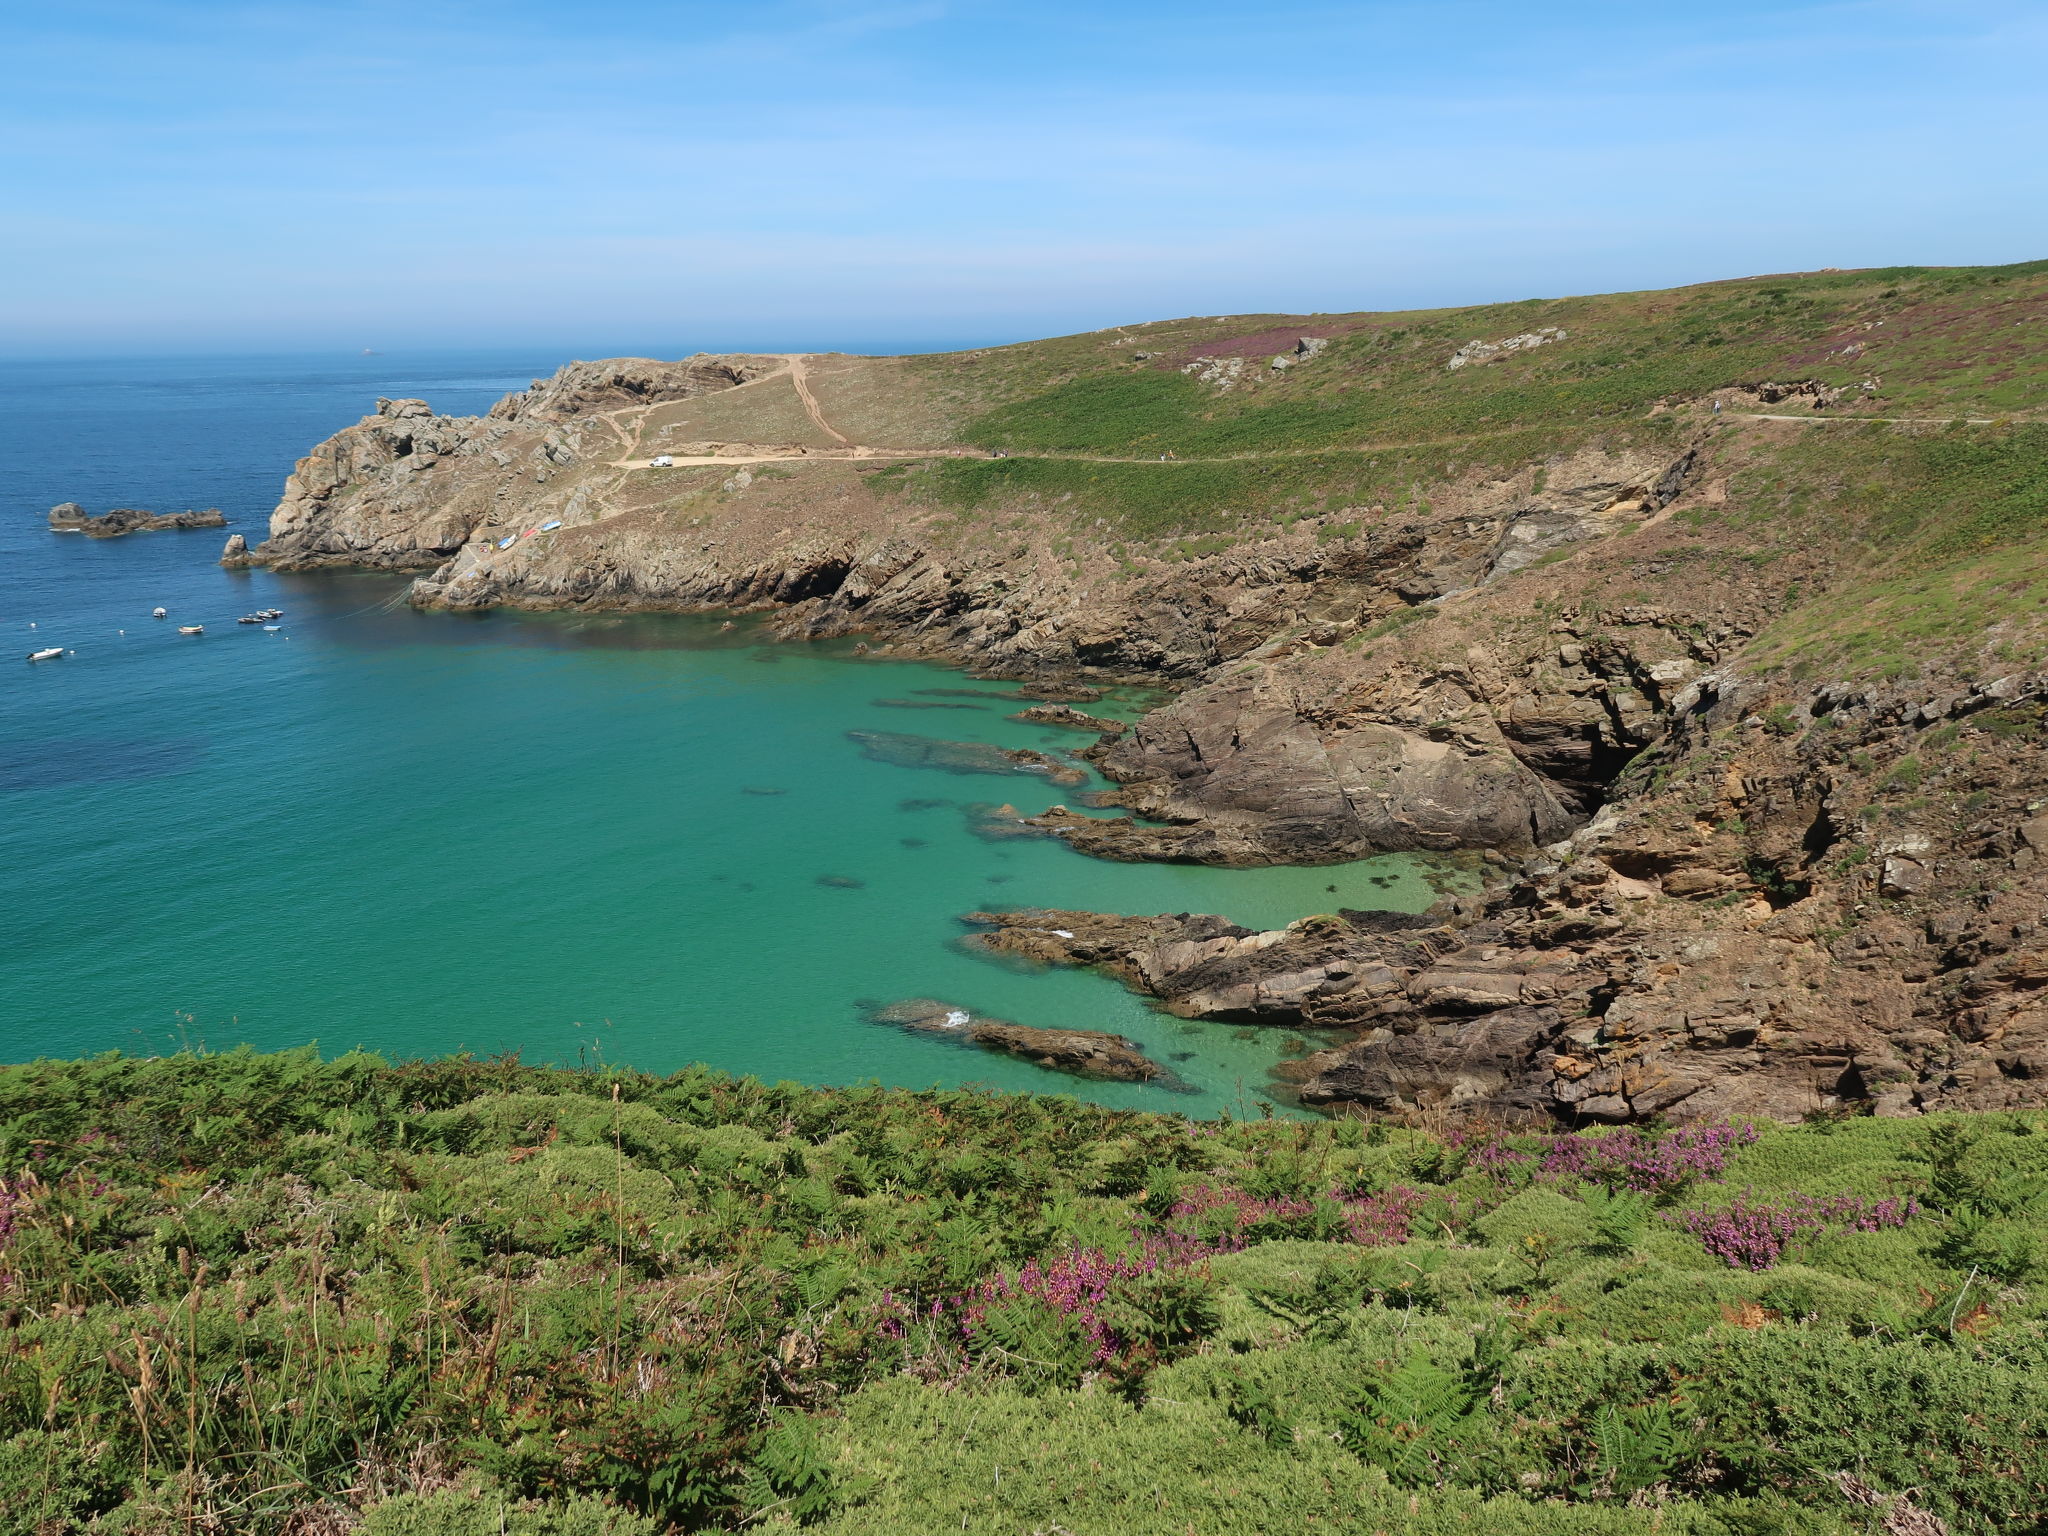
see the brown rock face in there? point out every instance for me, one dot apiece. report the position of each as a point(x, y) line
point(1674, 958)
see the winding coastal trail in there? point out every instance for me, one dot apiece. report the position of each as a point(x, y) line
point(795, 371)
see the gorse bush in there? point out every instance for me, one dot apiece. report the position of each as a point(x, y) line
point(278, 1294)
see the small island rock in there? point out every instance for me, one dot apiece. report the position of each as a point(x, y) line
point(70, 517)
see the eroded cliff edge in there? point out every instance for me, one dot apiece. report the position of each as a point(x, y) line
point(1731, 666)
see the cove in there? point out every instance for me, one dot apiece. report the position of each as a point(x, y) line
point(424, 833)
point(643, 839)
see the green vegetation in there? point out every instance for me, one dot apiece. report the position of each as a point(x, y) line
point(1378, 413)
point(1949, 531)
point(271, 1293)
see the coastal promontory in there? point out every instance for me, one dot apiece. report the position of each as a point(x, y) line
point(1708, 631)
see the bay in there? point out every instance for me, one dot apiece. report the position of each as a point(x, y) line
point(640, 839)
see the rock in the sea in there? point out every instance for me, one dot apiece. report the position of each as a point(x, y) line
point(1058, 693)
point(907, 751)
point(1070, 718)
point(1082, 1052)
point(70, 517)
point(999, 823)
point(926, 1013)
point(236, 551)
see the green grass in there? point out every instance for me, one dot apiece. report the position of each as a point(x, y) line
point(270, 1294)
point(1942, 340)
point(1949, 532)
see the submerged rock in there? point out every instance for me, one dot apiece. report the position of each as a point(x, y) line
point(1069, 718)
point(998, 823)
point(1058, 693)
point(907, 751)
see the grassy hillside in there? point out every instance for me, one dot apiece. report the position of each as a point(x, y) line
point(1938, 341)
point(273, 1294)
point(1920, 484)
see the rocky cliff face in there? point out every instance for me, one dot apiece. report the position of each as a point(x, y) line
point(405, 489)
point(1773, 939)
point(1727, 880)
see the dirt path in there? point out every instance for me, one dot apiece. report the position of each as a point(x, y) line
point(803, 393)
point(1912, 421)
point(852, 450)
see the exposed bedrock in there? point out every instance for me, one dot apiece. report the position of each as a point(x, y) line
point(1762, 944)
point(1087, 1053)
point(70, 517)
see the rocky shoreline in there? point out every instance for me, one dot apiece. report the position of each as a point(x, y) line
point(1720, 886)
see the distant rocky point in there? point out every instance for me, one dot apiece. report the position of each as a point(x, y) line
point(70, 517)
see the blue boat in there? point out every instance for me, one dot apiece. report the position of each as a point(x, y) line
point(508, 541)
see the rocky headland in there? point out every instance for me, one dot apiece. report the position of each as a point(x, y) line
point(70, 517)
point(1712, 621)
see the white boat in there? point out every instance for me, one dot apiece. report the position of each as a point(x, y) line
point(508, 541)
point(160, 613)
point(271, 629)
point(549, 527)
point(191, 629)
point(46, 654)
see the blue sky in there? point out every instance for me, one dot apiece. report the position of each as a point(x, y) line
point(181, 175)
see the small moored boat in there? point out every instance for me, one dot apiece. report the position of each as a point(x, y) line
point(191, 629)
point(250, 618)
point(159, 613)
point(508, 541)
point(48, 653)
point(549, 527)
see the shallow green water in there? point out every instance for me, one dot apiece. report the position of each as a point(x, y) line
point(423, 833)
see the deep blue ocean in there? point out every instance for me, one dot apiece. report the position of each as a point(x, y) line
point(635, 839)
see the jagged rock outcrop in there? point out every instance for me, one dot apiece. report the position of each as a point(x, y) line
point(1753, 947)
point(70, 517)
point(405, 488)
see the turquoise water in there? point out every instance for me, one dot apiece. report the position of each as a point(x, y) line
point(639, 839)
